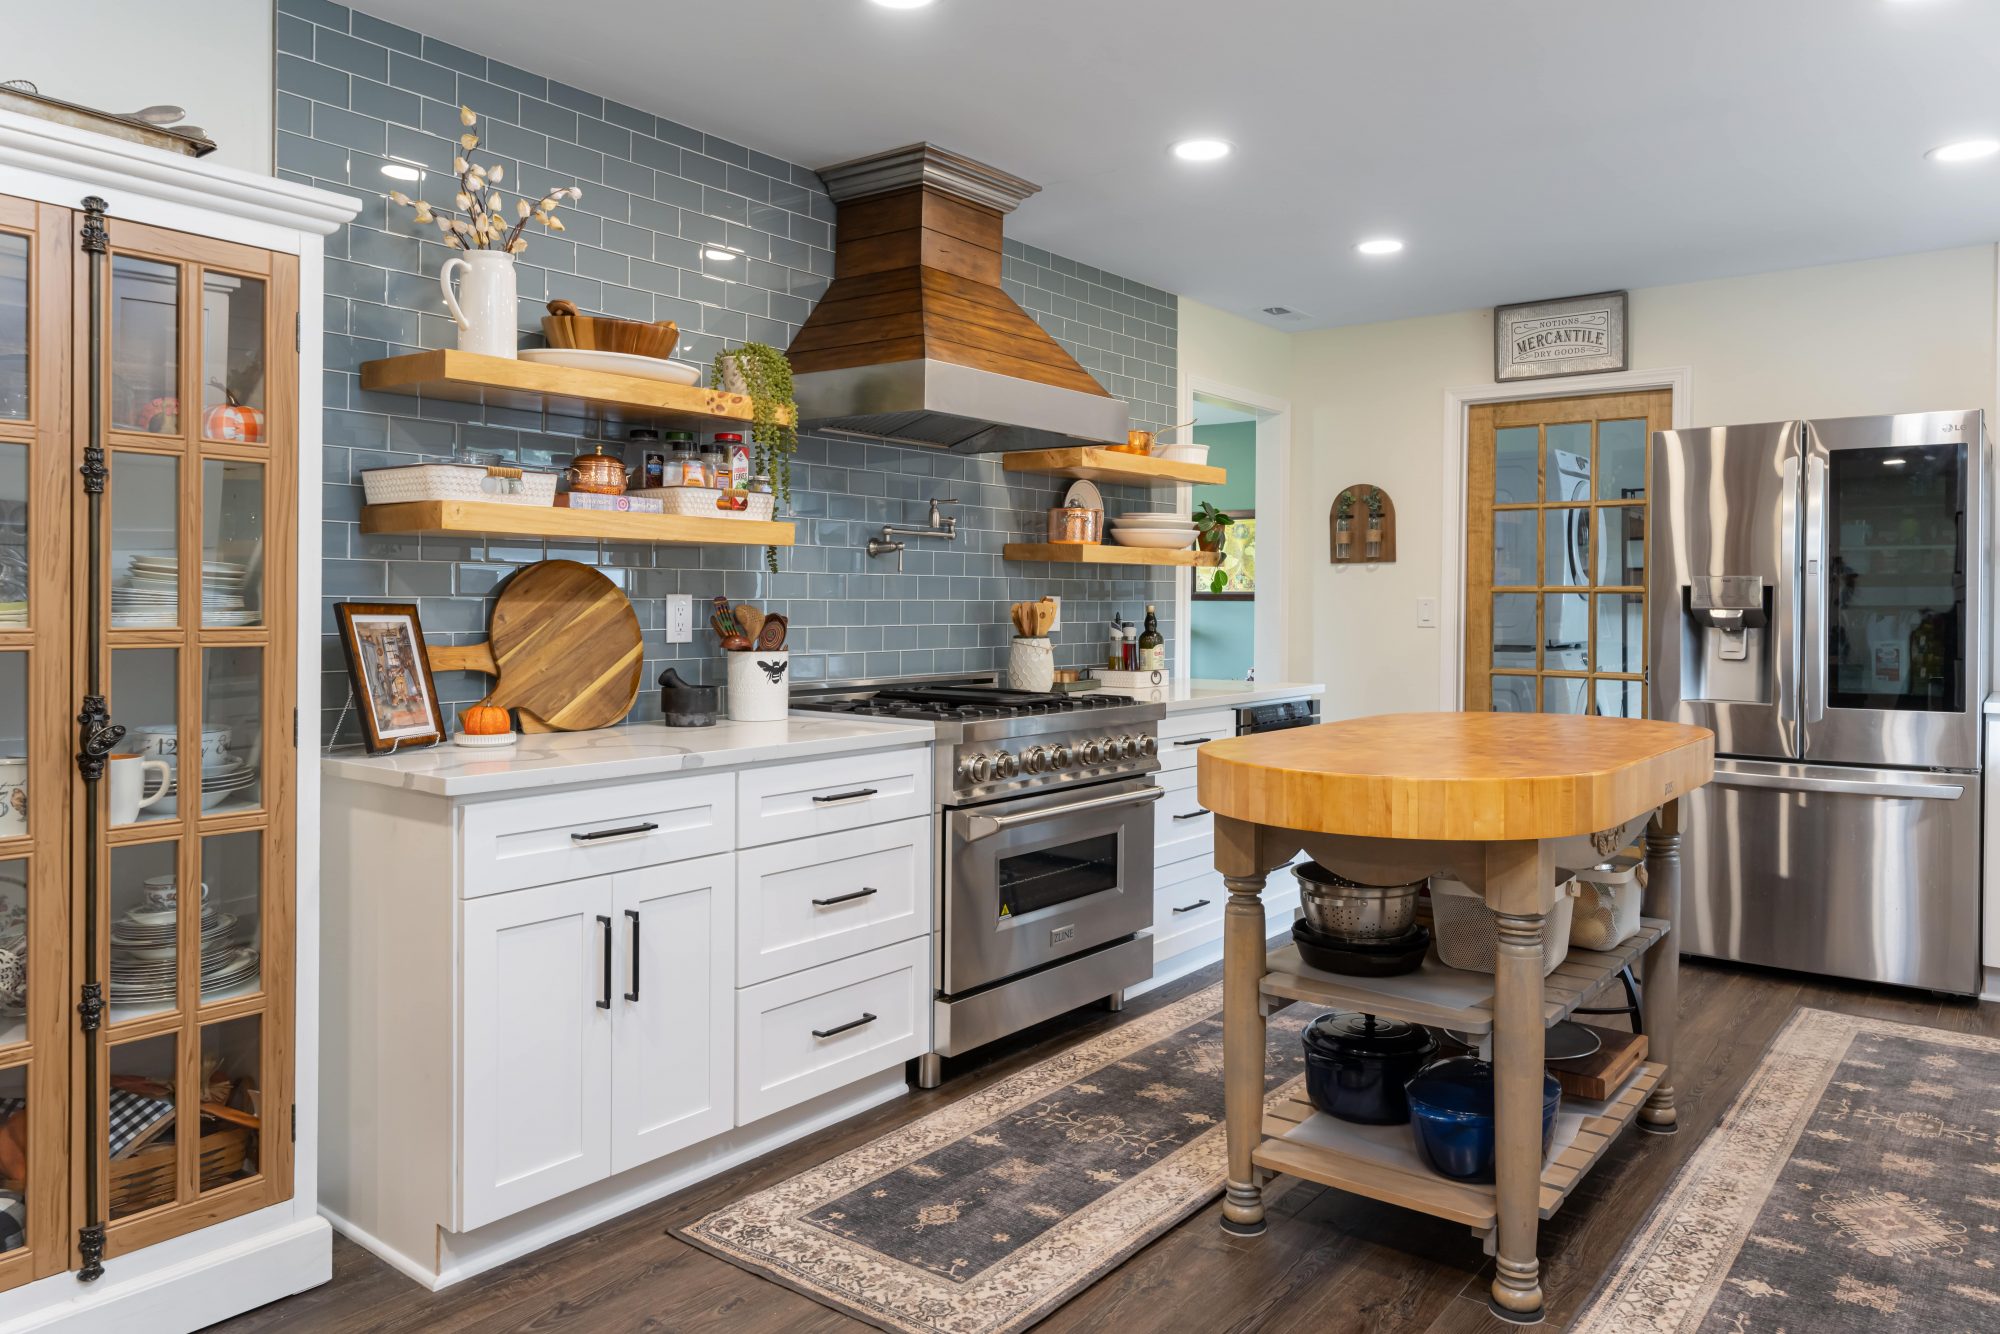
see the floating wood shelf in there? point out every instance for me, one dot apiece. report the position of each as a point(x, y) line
point(502, 382)
point(1095, 464)
point(472, 516)
point(1091, 553)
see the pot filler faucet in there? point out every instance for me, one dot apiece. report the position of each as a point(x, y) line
point(940, 527)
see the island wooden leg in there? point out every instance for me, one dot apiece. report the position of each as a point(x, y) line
point(1243, 966)
point(1517, 1116)
point(1662, 996)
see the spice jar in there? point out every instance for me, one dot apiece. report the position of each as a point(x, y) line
point(716, 467)
point(646, 454)
point(735, 458)
point(681, 460)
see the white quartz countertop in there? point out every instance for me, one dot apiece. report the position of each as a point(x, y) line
point(636, 751)
point(1992, 705)
point(1193, 696)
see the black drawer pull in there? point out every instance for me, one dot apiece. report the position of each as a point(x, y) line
point(633, 994)
point(1198, 903)
point(605, 1002)
point(865, 1018)
point(625, 832)
point(1195, 741)
point(1194, 814)
point(844, 898)
point(855, 795)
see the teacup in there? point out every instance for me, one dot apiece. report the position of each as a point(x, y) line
point(163, 742)
point(163, 892)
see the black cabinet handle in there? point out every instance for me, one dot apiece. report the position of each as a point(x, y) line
point(865, 1018)
point(605, 1002)
point(625, 832)
point(1198, 903)
point(633, 994)
point(844, 898)
point(1195, 741)
point(1194, 814)
point(855, 795)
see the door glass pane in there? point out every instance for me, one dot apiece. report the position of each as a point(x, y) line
point(232, 924)
point(1565, 694)
point(1566, 473)
point(13, 326)
point(1565, 631)
point(145, 345)
point(232, 729)
point(232, 543)
point(13, 1157)
point(1621, 545)
point(1621, 699)
point(1516, 480)
point(1565, 547)
point(145, 700)
point(13, 745)
point(1513, 694)
point(140, 1125)
point(1621, 460)
point(13, 537)
point(145, 912)
point(1621, 633)
point(232, 358)
point(1514, 630)
point(232, 1100)
point(1895, 524)
point(13, 952)
point(1514, 548)
point(145, 541)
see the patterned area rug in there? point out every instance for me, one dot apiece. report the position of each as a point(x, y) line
point(988, 1214)
point(1855, 1185)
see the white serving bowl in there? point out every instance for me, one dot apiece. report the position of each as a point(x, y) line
point(1159, 541)
point(1152, 521)
point(1185, 453)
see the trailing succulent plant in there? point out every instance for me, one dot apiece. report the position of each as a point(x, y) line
point(774, 435)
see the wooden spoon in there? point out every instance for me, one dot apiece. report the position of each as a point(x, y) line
point(749, 618)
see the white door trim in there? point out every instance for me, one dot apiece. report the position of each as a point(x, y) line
point(1274, 462)
point(1451, 614)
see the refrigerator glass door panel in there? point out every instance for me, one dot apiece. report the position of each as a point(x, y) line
point(1892, 660)
point(1725, 502)
point(1862, 873)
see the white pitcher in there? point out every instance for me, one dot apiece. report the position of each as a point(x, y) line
point(486, 313)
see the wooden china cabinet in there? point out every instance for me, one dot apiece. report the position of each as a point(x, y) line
point(149, 685)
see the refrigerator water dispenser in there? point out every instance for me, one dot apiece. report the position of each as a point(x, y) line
point(1727, 656)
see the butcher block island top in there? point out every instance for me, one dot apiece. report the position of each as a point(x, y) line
point(1498, 802)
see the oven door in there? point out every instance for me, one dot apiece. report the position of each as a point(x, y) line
point(1037, 879)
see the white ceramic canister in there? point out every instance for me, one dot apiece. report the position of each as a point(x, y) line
point(1031, 664)
point(759, 686)
point(484, 304)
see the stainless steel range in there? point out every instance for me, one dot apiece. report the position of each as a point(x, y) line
point(1045, 850)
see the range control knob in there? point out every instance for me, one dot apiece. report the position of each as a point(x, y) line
point(1127, 747)
point(1005, 765)
point(976, 768)
point(1149, 744)
point(1062, 756)
point(1093, 752)
point(1035, 759)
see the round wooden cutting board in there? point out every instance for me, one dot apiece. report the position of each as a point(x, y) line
point(566, 644)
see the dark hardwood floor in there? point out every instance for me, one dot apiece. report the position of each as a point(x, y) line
point(1330, 1263)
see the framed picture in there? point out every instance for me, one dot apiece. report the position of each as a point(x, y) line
point(1236, 578)
point(391, 674)
point(1572, 335)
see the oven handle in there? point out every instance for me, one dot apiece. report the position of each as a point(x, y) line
point(984, 826)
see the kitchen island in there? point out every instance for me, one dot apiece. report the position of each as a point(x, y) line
point(1499, 802)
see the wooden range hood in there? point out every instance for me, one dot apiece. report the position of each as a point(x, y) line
point(915, 342)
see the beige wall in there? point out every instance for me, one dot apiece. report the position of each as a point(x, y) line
point(1904, 334)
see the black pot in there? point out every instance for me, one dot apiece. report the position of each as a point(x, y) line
point(686, 704)
point(1357, 1065)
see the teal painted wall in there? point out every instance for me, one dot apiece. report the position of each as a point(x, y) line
point(1223, 633)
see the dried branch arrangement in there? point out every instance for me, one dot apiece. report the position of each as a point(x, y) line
point(482, 219)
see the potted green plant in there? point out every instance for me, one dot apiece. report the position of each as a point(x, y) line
point(1210, 525)
point(1373, 500)
point(761, 372)
point(1343, 524)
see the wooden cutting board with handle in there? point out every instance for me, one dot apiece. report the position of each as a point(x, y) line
point(564, 646)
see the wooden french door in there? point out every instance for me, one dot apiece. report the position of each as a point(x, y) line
point(1555, 569)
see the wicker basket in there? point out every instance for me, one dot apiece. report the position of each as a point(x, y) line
point(699, 501)
point(496, 484)
point(147, 1178)
point(1468, 936)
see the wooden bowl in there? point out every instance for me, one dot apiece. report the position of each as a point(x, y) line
point(564, 326)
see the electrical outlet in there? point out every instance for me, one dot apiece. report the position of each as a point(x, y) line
point(1057, 624)
point(1427, 613)
point(680, 618)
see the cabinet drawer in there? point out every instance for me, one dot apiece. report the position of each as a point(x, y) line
point(568, 835)
point(1189, 894)
point(814, 900)
point(1181, 735)
point(803, 1035)
point(825, 796)
point(1183, 828)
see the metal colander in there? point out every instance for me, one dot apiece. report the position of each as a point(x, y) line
point(1345, 910)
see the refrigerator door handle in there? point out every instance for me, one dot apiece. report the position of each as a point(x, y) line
point(1784, 628)
point(1812, 687)
point(1857, 787)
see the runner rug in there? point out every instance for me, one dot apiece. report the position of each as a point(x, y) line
point(1855, 1185)
point(986, 1215)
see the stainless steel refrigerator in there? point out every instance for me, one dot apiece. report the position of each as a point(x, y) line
point(1816, 597)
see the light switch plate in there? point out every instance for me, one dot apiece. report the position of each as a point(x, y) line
point(680, 618)
point(1427, 613)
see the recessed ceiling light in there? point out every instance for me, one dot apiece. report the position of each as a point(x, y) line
point(1965, 150)
point(399, 171)
point(1202, 150)
point(717, 252)
point(1381, 245)
point(902, 4)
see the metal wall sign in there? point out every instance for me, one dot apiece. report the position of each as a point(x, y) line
point(1572, 335)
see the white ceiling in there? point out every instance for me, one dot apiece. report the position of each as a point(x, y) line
point(1522, 148)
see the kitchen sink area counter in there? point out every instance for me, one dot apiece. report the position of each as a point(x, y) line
point(1196, 695)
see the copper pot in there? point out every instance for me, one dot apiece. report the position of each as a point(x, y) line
point(1074, 523)
point(596, 473)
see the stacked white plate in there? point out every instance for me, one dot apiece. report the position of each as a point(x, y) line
point(149, 596)
point(1165, 532)
point(144, 970)
point(229, 779)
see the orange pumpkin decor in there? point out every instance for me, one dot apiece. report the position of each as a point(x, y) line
point(486, 720)
point(233, 420)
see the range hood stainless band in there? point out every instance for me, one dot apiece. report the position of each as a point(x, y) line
point(945, 405)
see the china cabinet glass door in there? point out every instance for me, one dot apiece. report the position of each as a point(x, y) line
point(195, 875)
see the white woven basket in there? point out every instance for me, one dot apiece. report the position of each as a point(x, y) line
point(1468, 936)
point(694, 501)
point(1607, 908)
point(497, 484)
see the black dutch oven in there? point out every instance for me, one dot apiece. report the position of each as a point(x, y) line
point(1356, 1066)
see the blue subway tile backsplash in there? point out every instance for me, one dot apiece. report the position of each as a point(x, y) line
point(356, 93)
